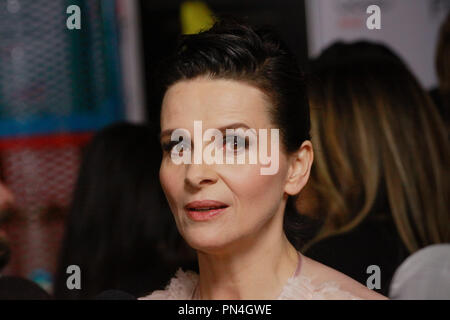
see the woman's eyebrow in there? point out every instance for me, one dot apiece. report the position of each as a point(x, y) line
point(233, 126)
point(168, 132)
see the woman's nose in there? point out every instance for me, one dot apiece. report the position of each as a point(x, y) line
point(200, 175)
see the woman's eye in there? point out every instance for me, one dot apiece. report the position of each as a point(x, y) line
point(235, 143)
point(175, 147)
point(180, 147)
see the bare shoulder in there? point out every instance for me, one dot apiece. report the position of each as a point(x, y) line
point(320, 273)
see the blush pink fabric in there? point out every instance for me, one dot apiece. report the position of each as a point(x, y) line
point(298, 287)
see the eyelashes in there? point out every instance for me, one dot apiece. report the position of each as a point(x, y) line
point(237, 143)
point(168, 146)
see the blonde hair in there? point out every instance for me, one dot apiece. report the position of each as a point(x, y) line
point(379, 144)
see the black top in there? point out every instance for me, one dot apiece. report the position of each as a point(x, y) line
point(374, 242)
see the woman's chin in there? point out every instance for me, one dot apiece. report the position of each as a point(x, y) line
point(208, 242)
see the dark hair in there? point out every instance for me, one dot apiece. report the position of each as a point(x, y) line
point(442, 53)
point(5, 253)
point(442, 64)
point(233, 50)
point(119, 230)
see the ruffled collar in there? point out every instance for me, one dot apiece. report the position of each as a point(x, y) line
point(299, 287)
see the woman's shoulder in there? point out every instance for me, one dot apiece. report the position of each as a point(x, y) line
point(180, 287)
point(320, 282)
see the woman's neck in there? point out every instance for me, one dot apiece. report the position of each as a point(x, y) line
point(253, 269)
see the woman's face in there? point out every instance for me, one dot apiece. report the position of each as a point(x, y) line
point(254, 201)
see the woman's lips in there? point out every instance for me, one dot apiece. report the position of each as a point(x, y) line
point(204, 209)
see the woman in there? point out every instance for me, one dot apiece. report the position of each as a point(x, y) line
point(235, 77)
point(119, 230)
point(380, 177)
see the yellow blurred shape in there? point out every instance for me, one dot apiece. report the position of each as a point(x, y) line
point(195, 17)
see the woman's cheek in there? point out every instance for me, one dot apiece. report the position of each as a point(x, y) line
point(169, 182)
point(248, 185)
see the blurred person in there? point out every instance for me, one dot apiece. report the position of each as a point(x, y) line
point(441, 94)
point(5, 252)
point(16, 288)
point(11, 287)
point(425, 275)
point(6, 198)
point(241, 222)
point(6, 202)
point(380, 178)
point(119, 228)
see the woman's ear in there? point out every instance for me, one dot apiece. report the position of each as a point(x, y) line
point(299, 168)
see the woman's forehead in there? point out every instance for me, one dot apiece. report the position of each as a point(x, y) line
point(215, 102)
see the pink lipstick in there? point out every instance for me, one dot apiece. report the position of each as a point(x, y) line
point(205, 209)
